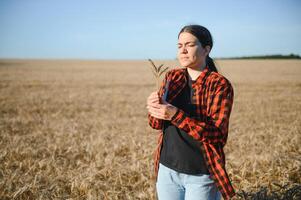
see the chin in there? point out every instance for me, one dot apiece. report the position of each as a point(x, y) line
point(185, 64)
point(188, 65)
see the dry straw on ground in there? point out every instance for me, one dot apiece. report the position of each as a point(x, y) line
point(79, 130)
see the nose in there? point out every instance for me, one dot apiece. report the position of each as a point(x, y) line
point(183, 50)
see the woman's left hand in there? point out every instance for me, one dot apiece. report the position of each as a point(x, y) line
point(162, 110)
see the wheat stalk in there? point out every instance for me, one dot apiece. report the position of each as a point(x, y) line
point(157, 71)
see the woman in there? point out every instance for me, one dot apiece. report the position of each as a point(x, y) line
point(192, 111)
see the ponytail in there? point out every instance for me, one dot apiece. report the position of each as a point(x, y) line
point(210, 63)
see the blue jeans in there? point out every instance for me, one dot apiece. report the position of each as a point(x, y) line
point(172, 185)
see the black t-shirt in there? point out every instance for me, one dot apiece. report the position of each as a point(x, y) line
point(180, 151)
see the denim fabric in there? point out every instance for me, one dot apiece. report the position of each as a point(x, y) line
point(172, 185)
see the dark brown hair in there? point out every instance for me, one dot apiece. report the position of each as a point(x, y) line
point(204, 37)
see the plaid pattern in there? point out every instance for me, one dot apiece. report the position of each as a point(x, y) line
point(214, 99)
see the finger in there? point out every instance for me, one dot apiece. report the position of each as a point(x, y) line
point(157, 116)
point(158, 113)
point(155, 110)
point(153, 97)
point(153, 94)
point(154, 105)
point(161, 111)
point(154, 101)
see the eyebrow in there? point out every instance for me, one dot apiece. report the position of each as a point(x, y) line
point(188, 42)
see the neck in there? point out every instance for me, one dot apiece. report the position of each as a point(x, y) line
point(195, 72)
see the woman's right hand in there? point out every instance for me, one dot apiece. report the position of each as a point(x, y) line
point(153, 99)
point(160, 109)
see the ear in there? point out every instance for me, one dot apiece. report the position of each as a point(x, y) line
point(207, 50)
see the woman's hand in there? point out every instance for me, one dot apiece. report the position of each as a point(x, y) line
point(160, 110)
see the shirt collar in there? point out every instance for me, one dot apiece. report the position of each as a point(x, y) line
point(200, 77)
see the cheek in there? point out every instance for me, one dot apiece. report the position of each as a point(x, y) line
point(195, 53)
point(178, 53)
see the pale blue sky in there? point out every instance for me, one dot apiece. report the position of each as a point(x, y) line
point(136, 29)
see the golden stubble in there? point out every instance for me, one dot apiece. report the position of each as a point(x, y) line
point(79, 129)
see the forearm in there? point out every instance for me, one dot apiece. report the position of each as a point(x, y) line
point(202, 131)
point(155, 123)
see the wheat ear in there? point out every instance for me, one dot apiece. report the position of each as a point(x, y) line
point(157, 71)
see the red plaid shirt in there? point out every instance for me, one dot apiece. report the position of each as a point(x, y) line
point(214, 99)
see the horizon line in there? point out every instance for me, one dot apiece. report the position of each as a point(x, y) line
point(217, 57)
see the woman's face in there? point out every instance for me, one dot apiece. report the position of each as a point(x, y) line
point(190, 51)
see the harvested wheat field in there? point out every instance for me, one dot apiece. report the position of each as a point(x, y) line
point(79, 129)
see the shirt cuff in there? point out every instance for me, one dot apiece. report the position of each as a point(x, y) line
point(178, 117)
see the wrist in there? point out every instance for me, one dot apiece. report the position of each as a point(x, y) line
point(176, 111)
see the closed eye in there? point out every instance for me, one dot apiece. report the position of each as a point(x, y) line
point(189, 44)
